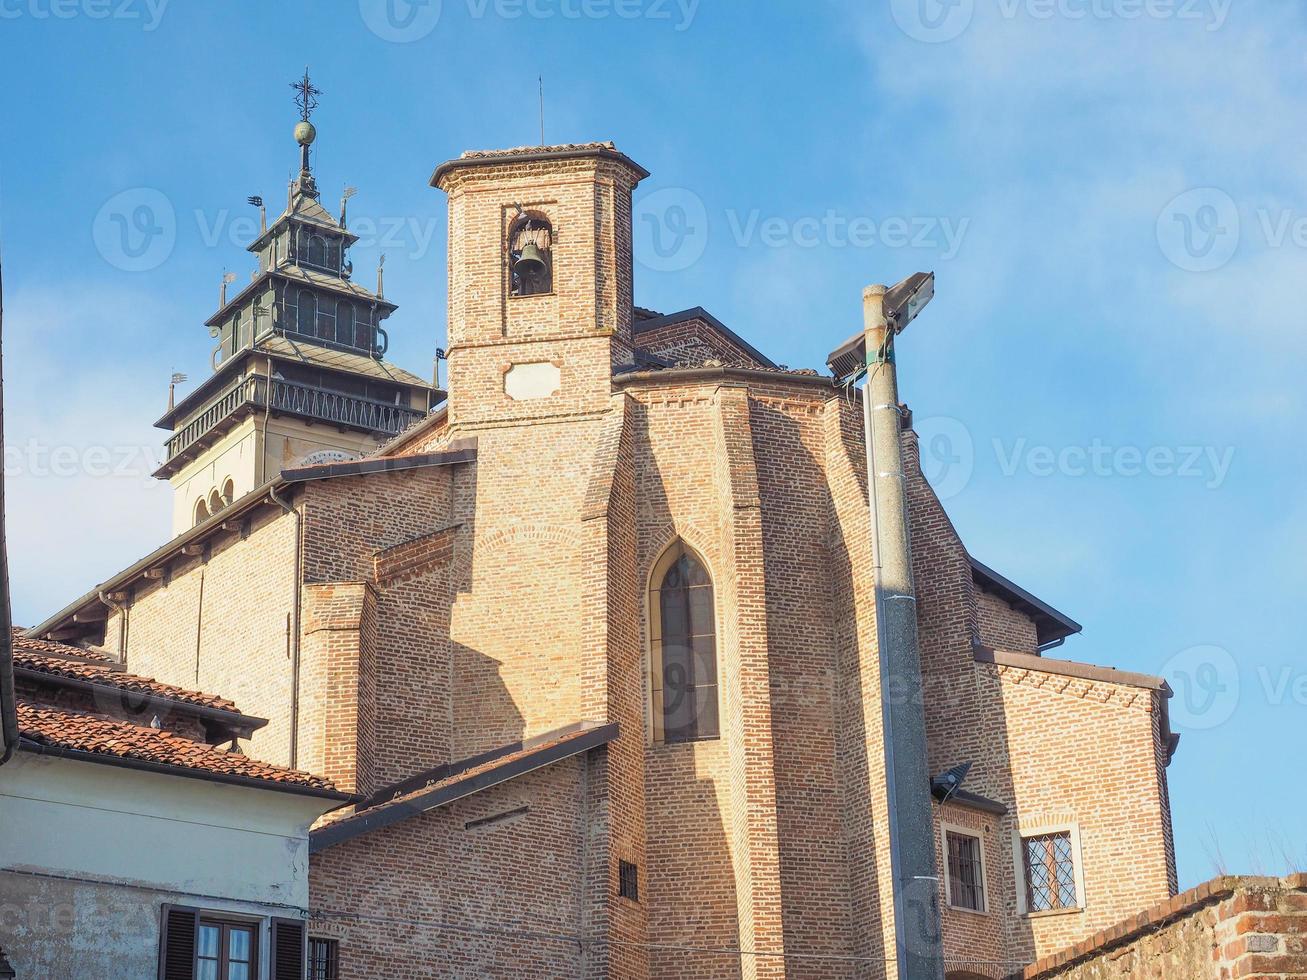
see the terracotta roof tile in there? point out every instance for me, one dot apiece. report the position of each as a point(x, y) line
point(52, 658)
point(521, 150)
point(95, 734)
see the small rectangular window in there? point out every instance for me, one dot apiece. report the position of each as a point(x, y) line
point(324, 959)
point(1050, 870)
point(628, 880)
point(966, 874)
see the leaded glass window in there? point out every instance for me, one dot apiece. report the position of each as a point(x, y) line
point(1050, 872)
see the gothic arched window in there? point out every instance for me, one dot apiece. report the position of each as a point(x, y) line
point(344, 323)
point(683, 647)
point(531, 256)
point(306, 305)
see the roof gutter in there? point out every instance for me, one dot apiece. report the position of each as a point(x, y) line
point(208, 775)
point(160, 555)
point(239, 725)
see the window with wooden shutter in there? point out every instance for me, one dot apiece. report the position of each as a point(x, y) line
point(288, 949)
point(177, 942)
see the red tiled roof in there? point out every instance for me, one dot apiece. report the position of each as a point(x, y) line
point(54, 658)
point(83, 732)
point(522, 150)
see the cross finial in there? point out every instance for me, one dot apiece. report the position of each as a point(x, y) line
point(306, 95)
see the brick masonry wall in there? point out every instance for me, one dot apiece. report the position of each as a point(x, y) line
point(1227, 928)
point(1002, 627)
point(449, 611)
point(430, 896)
point(221, 623)
point(693, 342)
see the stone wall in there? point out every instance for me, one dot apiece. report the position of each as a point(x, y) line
point(1227, 928)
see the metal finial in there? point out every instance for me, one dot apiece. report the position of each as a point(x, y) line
point(306, 95)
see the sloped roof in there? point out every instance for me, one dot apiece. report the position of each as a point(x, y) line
point(445, 784)
point(60, 660)
point(1051, 626)
point(50, 729)
point(339, 360)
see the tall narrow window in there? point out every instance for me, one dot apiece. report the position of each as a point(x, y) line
point(324, 959)
point(306, 313)
point(225, 951)
point(683, 633)
point(317, 251)
point(344, 323)
point(965, 870)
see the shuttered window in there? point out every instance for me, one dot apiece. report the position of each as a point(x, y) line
point(289, 949)
point(199, 945)
point(177, 943)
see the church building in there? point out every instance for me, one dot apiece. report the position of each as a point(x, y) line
point(591, 640)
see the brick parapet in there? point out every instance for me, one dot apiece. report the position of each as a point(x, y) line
point(1224, 929)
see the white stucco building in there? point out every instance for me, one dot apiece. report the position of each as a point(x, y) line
point(136, 844)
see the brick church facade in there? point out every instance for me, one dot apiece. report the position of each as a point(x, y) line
point(594, 645)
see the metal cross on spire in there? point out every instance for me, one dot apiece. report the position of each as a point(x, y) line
point(306, 95)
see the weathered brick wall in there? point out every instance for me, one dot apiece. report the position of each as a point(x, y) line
point(693, 342)
point(1001, 626)
point(220, 622)
point(395, 532)
point(430, 896)
point(1082, 752)
point(1226, 928)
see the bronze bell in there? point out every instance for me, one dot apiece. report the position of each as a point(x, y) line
point(530, 262)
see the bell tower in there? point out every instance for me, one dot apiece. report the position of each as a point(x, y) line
point(299, 369)
point(540, 279)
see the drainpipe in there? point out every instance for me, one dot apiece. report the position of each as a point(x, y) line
point(293, 641)
point(912, 837)
point(121, 608)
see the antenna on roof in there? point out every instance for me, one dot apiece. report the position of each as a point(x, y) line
point(345, 195)
point(541, 80)
point(177, 378)
point(257, 202)
point(227, 278)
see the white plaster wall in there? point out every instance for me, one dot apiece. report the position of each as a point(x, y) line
point(90, 853)
point(169, 832)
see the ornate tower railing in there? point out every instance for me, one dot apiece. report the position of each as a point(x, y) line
point(305, 401)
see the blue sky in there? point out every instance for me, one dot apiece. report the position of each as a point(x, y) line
point(1111, 193)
